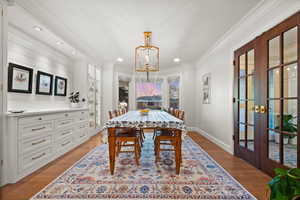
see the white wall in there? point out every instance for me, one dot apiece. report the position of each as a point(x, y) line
point(187, 93)
point(25, 50)
point(108, 80)
point(215, 120)
point(80, 79)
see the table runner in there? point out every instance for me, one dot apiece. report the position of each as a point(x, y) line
point(154, 119)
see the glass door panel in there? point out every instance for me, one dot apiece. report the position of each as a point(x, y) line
point(245, 143)
point(282, 99)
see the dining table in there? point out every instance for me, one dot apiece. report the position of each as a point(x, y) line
point(154, 119)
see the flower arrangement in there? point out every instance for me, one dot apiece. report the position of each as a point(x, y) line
point(74, 99)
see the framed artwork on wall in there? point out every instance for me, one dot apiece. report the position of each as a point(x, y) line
point(44, 82)
point(60, 86)
point(19, 78)
point(206, 88)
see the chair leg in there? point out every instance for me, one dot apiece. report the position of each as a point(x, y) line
point(141, 138)
point(180, 151)
point(136, 146)
point(157, 150)
point(118, 148)
point(155, 146)
point(142, 131)
point(154, 134)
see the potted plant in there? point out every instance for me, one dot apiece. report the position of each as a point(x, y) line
point(285, 185)
point(288, 126)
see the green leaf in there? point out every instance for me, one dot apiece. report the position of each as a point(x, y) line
point(280, 172)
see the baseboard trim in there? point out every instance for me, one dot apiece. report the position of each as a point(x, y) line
point(218, 142)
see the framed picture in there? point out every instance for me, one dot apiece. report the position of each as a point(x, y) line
point(60, 87)
point(206, 79)
point(206, 96)
point(206, 88)
point(44, 82)
point(19, 78)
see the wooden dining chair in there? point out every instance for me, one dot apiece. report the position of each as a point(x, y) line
point(110, 114)
point(181, 115)
point(123, 138)
point(172, 111)
point(166, 137)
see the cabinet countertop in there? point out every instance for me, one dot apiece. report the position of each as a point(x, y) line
point(44, 111)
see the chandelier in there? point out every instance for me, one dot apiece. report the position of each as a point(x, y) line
point(147, 56)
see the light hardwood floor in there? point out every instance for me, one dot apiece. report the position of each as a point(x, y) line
point(251, 178)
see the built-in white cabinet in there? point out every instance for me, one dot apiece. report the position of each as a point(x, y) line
point(94, 99)
point(36, 138)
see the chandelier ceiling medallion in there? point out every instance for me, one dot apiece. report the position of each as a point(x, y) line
point(147, 56)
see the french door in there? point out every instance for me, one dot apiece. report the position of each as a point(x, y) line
point(246, 125)
point(280, 45)
point(267, 102)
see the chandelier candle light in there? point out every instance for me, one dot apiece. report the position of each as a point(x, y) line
point(147, 56)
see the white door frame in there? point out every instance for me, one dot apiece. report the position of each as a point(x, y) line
point(3, 63)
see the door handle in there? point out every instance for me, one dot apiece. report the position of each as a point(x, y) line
point(256, 109)
point(262, 109)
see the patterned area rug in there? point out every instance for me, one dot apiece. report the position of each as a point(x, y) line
point(200, 177)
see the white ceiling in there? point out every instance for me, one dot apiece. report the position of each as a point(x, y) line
point(108, 29)
point(19, 19)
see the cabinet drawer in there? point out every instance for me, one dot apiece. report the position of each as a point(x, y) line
point(82, 126)
point(82, 118)
point(82, 135)
point(64, 133)
point(63, 123)
point(35, 130)
point(34, 144)
point(64, 115)
point(35, 119)
point(34, 159)
point(82, 113)
point(64, 145)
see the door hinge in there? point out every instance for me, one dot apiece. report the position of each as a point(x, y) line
point(2, 12)
point(233, 137)
point(233, 99)
point(233, 62)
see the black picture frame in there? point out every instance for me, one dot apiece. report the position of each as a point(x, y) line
point(12, 67)
point(38, 83)
point(56, 92)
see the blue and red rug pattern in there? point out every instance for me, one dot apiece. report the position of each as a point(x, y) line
point(200, 177)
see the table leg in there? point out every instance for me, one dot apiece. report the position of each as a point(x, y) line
point(112, 149)
point(178, 151)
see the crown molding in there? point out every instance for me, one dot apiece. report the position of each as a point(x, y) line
point(256, 14)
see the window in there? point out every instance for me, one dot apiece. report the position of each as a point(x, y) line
point(149, 95)
point(174, 92)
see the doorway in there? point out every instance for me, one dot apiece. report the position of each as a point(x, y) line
point(123, 94)
point(266, 108)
